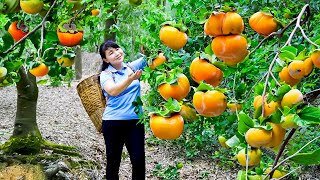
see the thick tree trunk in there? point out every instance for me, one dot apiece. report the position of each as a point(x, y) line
point(26, 138)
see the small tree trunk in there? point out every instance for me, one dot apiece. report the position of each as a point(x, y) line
point(78, 63)
point(26, 136)
point(109, 22)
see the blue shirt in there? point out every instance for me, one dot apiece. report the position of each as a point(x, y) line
point(120, 107)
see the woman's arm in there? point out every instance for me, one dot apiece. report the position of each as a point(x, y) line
point(115, 89)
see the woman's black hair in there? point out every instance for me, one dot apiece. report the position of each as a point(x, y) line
point(103, 47)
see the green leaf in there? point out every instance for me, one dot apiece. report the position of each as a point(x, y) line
point(3, 20)
point(241, 175)
point(276, 116)
point(257, 112)
point(310, 114)
point(308, 158)
point(204, 87)
point(302, 55)
point(281, 91)
point(267, 127)
point(286, 56)
point(51, 36)
point(42, 81)
point(258, 89)
point(208, 50)
point(233, 141)
point(6, 42)
point(245, 123)
point(290, 49)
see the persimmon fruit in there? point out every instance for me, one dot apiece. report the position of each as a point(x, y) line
point(188, 113)
point(263, 23)
point(230, 49)
point(316, 58)
point(294, 96)
point(40, 70)
point(69, 34)
point(210, 103)
point(286, 77)
point(173, 37)
point(201, 69)
point(167, 128)
point(220, 23)
point(287, 122)
point(254, 157)
point(31, 6)
point(177, 91)
point(278, 134)
point(65, 61)
point(17, 30)
point(308, 65)
point(258, 137)
point(297, 69)
point(95, 12)
point(160, 59)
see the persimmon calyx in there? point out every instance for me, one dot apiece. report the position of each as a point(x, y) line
point(65, 27)
point(168, 109)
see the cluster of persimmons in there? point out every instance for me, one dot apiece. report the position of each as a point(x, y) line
point(231, 47)
point(297, 69)
point(69, 33)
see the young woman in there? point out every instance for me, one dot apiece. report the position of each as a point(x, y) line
point(120, 84)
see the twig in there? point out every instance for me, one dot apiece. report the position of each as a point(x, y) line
point(261, 42)
point(45, 51)
point(79, 12)
point(277, 54)
point(274, 78)
point(283, 145)
point(31, 32)
point(297, 24)
point(294, 170)
point(41, 41)
point(234, 94)
point(291, 156)
point(247, 162)
point(255, 84)
point(266, 82)
point(305, 36)
point(279, 34)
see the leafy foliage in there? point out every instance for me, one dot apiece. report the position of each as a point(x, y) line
point(137, 26)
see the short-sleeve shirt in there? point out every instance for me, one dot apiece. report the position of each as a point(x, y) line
point(120, 107)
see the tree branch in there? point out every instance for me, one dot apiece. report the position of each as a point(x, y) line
point(277, 54)
point(31, 32)
point(290, 156)
point(283, 145)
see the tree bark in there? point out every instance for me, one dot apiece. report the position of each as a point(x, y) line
point(27, 98)
point(78, 63)
point(26, 137)
point(109, 35)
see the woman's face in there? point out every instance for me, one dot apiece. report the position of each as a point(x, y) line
point(114, 56)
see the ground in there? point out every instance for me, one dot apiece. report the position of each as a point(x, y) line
point(62, 119)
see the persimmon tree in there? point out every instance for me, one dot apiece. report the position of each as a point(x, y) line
point(227, 69)
point(241, 65)
point(37, 43)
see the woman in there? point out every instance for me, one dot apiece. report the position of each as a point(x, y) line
point(120, 84)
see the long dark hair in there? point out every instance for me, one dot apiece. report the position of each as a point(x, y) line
point(103, 47)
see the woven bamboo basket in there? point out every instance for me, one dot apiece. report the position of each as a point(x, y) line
point(93, 101)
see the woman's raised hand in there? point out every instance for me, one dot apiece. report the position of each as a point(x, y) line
point(135, 75)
